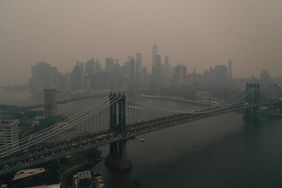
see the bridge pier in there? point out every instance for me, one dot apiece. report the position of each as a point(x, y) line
point(117, 157)
point(251, 115)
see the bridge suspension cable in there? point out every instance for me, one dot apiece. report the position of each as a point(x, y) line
point(157, 108)
point(74, 121)
point(57, 125)
point(38, 140)
point(80, 118)
point(239, 97)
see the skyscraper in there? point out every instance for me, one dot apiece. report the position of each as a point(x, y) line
point(166, 60)
point(265, 79)
point(75, 78)
point(83, 76)
point(139, 68)
point(156, 72)
point(180, 75)
point(166, 73)
point(131, 75)
point(230, 69)
point(109, 65)
point(41, 77)
point(219, 73)
point(90, 66)
point(139, 62)
point(154, 54)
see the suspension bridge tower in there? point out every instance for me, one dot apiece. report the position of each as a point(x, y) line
point(252, 98)
point(50, 106)
point(117, 157)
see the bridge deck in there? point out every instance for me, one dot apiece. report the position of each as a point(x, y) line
point(45, 152)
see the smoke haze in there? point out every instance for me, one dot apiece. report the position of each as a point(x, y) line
point(198, 33)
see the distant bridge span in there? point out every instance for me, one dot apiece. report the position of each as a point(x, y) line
point(74, 99)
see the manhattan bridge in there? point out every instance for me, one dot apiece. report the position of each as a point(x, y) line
point(114, 112)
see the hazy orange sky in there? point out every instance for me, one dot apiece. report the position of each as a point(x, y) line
point(198, 33)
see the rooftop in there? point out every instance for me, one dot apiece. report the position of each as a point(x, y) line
point(8, 122)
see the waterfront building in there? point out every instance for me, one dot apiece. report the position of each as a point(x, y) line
point(8, 134)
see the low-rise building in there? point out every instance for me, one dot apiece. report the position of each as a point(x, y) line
point(8, 134)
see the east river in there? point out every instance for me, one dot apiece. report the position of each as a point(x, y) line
point(214, 152)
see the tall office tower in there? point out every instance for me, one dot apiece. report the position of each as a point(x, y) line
point(180, 75)
point(90, 66)
point(230, 69)
point(50, 102)
point(83, 76)
point(90, 71)
point(109, 65)
point(139, 62)
point(139, 68)
point(131, 68)
point(58, 79)
point(154, 54)
point(116, 61)
point(130, 58)
point(9, 134)
point(67, 78)
point(166, 73)
point(265, 79)
point(166, 60)
point(41, 77)
point(131, 75)
point(98, 67)
point(220, 74)
point(75, 78)
point(156, 72)
point(158, 63)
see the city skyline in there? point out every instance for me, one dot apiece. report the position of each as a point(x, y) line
point(132, 76)
point(140, 93)
point(147, 64)
point(194, 33)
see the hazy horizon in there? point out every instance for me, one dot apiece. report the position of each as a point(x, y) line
point(197, 33)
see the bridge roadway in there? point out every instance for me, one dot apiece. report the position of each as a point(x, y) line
point(45, 152)
point(59, 102)
point(176, 99)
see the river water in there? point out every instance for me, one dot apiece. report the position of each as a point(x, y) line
point(214, 152)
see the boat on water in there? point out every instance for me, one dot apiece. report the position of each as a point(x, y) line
point(142, 140)
point(35, 178)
